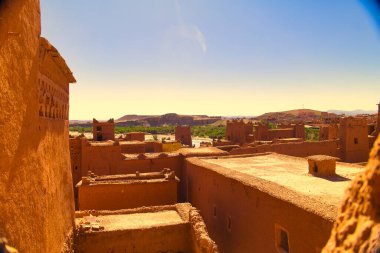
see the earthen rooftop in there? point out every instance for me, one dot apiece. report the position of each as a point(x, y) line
point(204, 151)
point(131, 142)
point(102, 143)
point(149, 155)
point(138, 218)
point(287, 178)
point(139, 178)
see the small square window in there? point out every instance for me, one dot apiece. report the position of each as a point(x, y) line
point(281, 239)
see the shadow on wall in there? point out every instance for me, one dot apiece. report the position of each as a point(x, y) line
point(24, 147)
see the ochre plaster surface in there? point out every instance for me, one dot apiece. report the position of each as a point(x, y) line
point(176, 228)
point(36, 195)
point(239, 196)
point(127, 191)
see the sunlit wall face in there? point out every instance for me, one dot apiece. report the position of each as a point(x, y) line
point(215, 57)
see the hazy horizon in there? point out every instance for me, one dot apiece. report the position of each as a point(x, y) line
point(215, 57)
point(223, 116)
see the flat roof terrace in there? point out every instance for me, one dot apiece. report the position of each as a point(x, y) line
point(137, 178)
point(170, 228)
point(287, 178)
point(149, 155)
point(121, 221)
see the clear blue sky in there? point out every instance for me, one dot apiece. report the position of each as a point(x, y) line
point(215, 57)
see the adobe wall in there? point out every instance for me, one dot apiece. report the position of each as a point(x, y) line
point(132, 147)
point(328, 132)
point(201, 241)
point(238, 131)
point(171, 238)
point(353, 140)
point(183, 135)
point(153, 147)
point(108, 160)
point(103, 131)
point(242, 218)
point(171, 146)
point(112, 163)
point(135, 136)
point(221, 142)
point(76, 158)
point(300, 149)
point(123, 196)
point(299, 131)
point(323, 133)
point(36, 207)
point(280, 133)
point(102, 160)
point(261, 133)
point(188, 236)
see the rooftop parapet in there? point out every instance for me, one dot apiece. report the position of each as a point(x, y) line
point(93, 179)
point(136, 230)
point(115, 192)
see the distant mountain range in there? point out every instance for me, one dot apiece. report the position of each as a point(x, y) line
point(352, 113)
point(193, 120)
point(300, 112)
point(157, 120)
point(307, 114)
point(167, 119)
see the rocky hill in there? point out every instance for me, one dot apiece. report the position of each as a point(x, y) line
point(291, 115)
point(166, 119)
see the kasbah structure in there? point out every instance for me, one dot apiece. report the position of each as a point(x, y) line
point(257, 190)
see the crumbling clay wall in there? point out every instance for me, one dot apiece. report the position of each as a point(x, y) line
point(108, 160)
point(301, 149)
point(357, 228)
point(36, 197)
point(201, 241)
point(188, 236)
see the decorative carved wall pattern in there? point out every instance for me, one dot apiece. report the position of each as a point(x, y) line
point(53, 99)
